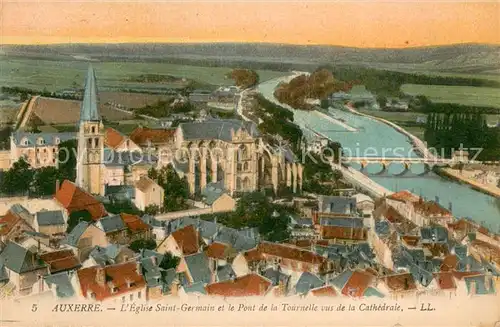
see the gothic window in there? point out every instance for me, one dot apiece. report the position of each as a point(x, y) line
point(89, 142)
point(92, 129)
point(245, 166)
point(96, 142)
point(238, 183)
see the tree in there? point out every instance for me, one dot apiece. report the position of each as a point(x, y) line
point(67, 157)
point(175, 188)
point(244, 78)
point(152, 209)
point(382, 101)
point(141, 244)
point(17, 179)
point(169, 261)
point(44, 181)
point(76, 217)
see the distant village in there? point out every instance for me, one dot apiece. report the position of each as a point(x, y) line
point(347, 245)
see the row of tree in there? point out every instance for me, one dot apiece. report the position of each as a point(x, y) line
point(448, 132)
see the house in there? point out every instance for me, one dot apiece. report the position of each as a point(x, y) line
point(126, 167)
point(158, 228)
point(339, 205)
point(83, 238)
point(61, 260)
point(120, 283)
point(38, 149)
point(195, 268)
point(217, 198)
point(73, 199)
point(124, 228)
point(14, 223)
point(364, 204)
point(417, 210)
point(147, 193)
point(50, 222)
point(343, 234)
point(109, 255)
point(307, 282)
point(184, 241)
point(159, 281)
point(211, 231)
point(290, 258)
point(248, 285)
point(117, 141)
point(60, 285)
point(398, 285)
point(280, 281)
point(21, 268)
point(356, 283)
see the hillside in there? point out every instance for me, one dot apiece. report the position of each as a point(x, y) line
point(462, 58)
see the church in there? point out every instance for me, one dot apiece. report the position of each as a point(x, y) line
point(228, 155)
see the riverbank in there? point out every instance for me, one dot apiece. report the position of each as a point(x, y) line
point(418, 145)
point(455, 175)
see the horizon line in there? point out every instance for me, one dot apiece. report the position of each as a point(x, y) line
point(251, 43)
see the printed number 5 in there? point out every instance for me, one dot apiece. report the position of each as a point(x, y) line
point(34, 307)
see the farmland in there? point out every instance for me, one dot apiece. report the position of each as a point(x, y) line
point(56, 75)
point(465, 95)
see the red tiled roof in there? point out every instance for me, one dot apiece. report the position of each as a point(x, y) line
point(324, 291)
point(141, 135)
point(290, 252)
point(188, 239)
point(253, 255)
point(118, 275)
point(400, 282)
point(445, 280)
point(331, 232)
point(393, 215)
point(8, 222)
point(61, 260)
point(217, 250)
point(113, 138)
point(134, 223)
point(73, 198)
point(403, 196)
point(248, 285)
point(357, 283)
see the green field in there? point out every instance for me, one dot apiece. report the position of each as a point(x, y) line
point(465, 95)
point(56, 75)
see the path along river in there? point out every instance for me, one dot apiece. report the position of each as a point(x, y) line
point(372, 138)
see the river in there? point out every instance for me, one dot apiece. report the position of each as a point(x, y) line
point(374, 138)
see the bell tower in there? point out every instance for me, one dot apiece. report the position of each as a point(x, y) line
point(89, 169)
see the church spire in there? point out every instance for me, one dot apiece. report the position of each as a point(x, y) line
point(89, 110)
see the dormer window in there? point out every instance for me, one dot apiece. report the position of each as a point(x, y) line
point(130, 284)
point(57, 140)
point(24, 141)
point(40, 141)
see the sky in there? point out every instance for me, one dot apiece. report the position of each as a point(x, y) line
point(357, 23)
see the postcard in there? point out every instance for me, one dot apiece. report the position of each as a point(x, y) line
point(249, 163)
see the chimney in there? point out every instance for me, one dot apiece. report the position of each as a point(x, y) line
point(100, 276)
point(154, 260)
point(57, 185)
point(138, 269)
